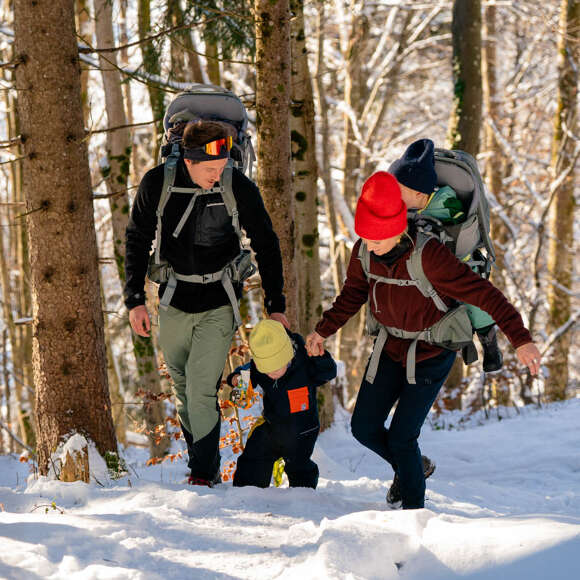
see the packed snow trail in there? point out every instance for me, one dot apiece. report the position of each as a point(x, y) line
point(504, 503)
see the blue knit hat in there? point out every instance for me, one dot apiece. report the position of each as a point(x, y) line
point(416, 168)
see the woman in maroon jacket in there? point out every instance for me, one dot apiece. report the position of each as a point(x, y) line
point(381, 222)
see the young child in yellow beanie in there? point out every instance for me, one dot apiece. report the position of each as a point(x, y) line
point(288, 378)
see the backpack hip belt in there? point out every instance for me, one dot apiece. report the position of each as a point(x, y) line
point(452, 332)
point(235, 272)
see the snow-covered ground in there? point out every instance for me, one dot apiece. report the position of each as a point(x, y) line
point(504, 503)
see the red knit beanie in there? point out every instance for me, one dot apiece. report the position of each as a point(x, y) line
point(380, 211)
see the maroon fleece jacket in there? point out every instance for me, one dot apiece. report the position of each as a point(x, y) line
point(405, 307)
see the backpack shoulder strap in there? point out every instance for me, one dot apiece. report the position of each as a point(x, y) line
point(229, 198)
point(365, 258)
point(415, 269)
point(168, 180)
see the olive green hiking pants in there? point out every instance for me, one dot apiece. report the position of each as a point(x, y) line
point(195, 347)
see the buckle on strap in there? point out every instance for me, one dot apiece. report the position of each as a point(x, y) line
point(209, 278)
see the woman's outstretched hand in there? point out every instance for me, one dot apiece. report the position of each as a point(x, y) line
point(529, 355)
point(314, 344)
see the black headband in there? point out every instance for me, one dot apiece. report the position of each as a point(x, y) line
point(198, 154)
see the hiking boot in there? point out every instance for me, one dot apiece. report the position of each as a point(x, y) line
point(192, 480)
point(394, 497)
point(492, 357)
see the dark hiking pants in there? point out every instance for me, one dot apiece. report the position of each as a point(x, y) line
point(398, 444)
point(265, 446)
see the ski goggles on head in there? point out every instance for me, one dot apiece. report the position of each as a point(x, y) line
point(215, 147)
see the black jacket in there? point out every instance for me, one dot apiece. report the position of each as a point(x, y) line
point(306, 373)
point(206, 243)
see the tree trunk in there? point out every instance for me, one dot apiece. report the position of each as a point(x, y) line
point(465, 123)
point(353, 89)
point(494, 163)
point(336, 264)
point(69, 356)
point(273, 125)
point(128, 94)
point(305, 172)
point(116, 174)
point(561, 253)
point(211, 57)
point(151, 65)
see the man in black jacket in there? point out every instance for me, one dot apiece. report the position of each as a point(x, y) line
point(198, 324)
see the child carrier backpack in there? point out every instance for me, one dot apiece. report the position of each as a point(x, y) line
point(468, 240)
point(205, 102)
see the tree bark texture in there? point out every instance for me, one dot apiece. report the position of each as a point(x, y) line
point(465, 122)
point(305, 172)
point(561, 252)
point(273, 125)
point(69, 359)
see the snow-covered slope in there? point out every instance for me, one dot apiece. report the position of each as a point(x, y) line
point(504, 503)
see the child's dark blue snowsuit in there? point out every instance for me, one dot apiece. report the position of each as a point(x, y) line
point(291, 421)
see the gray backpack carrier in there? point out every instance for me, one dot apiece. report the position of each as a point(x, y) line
point(468, 240)
point(207, 102)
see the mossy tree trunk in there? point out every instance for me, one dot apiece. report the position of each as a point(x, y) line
point(273, 65)
point(465, 122)
point(305, 170)
point(561, 252)
point(116, 174)
point(69, 358)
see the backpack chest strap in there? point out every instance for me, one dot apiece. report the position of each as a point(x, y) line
point(196, 193)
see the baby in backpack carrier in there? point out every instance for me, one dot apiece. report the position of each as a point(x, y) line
point(415, 172)
point(288, 378)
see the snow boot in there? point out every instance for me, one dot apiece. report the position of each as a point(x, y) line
point(193, 480)
point(492, 357)
point(394, 497)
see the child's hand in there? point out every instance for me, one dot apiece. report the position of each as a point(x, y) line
point(314, 344)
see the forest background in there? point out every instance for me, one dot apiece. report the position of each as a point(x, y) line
point(335, 91)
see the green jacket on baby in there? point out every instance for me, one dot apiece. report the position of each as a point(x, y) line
point(444, 205)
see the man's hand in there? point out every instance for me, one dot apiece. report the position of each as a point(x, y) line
point(314, 344)
point(140, 321)
point(529, 355)
point(281, 318)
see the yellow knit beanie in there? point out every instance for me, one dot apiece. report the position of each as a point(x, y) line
point(271, 346)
